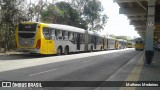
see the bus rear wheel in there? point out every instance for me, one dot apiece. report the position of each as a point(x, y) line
point(66, 51)
point(91, 49)
point(101, 48)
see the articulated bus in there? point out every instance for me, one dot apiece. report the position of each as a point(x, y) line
point(42, 38)
point(130, 45)
point(115, 43)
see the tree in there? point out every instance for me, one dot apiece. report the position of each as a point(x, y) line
point(112, 35)
point(79, 13)
point(52, 14)
point(34, 10)
point(10, 15)
point(90, 11)
point(79, 5)
point(63, 13)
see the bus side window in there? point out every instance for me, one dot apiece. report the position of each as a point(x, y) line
point(46, 33)
point(98, 40)
point(89, 38)
point(92, 38)
point(59, 34)
point(52, 32)
point(101, 40)
point(70, 36)
point(82, 38)
point(56, 36)
point(75, 37)
point(65, 35)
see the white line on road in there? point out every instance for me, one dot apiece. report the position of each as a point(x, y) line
point(85, 61)
point(42, 72)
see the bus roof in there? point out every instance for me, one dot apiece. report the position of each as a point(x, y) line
point(60, 26)
point(111, 38)
point(95, 33)
point(66, 27)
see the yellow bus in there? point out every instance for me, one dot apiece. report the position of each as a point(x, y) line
point(139, 45)
point(130, 45)
point(42, 38)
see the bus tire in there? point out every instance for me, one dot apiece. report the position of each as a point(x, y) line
point(66, 50)
point(101, 48)
point(59, 51)
point(91, 49)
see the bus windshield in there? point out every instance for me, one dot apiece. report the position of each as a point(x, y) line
point(129, 43)
point(27, 30)
point(140, 42)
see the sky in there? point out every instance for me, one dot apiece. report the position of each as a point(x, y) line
point(117, 24)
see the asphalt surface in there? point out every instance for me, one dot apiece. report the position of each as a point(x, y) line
point(93, 68)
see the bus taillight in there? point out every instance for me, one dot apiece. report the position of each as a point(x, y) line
point(38, 44)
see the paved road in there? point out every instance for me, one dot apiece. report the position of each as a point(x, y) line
point(96, 66)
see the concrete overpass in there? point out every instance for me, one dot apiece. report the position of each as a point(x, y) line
point(145, 16)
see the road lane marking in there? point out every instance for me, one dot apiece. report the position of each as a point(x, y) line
point(43, 72)
point(85, 61)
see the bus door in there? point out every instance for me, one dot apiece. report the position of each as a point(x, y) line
point(116, 44)
point(95, 42)
point(103, 40)
point(107, 44)
point(47, 43)
point(51, 47)
point(78, 41)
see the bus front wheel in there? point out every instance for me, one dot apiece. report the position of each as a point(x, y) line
point(59, 51)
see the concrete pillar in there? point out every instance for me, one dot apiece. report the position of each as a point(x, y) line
point(149, 52)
